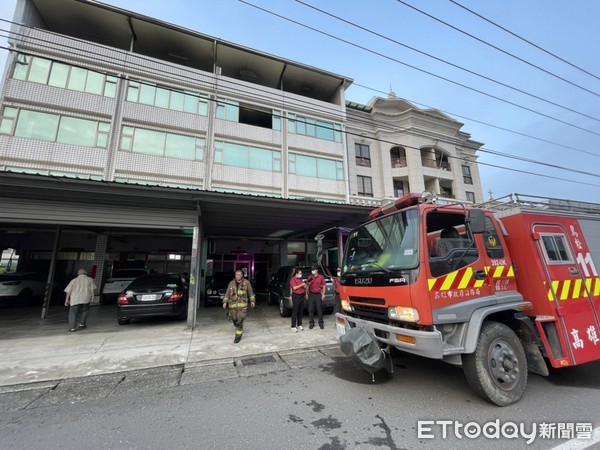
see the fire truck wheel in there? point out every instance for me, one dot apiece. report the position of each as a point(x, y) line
point(497, 371)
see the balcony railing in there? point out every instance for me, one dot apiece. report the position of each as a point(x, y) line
point(444, 165)
point(398, 162)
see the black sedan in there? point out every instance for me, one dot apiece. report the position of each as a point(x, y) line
point(156, 294)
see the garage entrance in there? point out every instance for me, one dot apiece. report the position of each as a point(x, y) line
point(56, 225)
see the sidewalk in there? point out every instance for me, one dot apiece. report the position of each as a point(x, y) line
point(35, 350)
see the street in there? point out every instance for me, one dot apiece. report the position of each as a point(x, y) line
point(313, 399)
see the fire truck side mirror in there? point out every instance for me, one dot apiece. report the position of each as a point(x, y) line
point(477, 221)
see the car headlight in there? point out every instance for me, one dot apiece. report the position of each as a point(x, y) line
point(209, 291)
point(346, 306)
point(403, 313)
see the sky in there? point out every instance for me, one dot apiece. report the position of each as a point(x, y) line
point(524, 104)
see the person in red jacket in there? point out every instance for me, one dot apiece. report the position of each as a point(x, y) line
point(316, 296)
point(298, 287)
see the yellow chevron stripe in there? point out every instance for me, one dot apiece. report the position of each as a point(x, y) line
point(498, 271)
point(479, 283)
point(431, 283)
point(553, 291)
point(597, 288)
point(577, 289)
point(588, 284)
point(448, 281)
point(511, 272)
point(486, 269)
point(564, 293)
point(464, 282)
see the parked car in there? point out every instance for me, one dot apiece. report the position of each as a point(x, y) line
point(116, 284)
point(280, 292)
point(21, 289)
point(216, 287)
point(155, 294)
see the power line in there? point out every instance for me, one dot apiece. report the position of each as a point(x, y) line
point(422, 70)
point(500, 83)
point(498, 48)
point(525, 40)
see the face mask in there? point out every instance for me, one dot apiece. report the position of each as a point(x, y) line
point(314, 272)
point(298, 275)
point(339, 273)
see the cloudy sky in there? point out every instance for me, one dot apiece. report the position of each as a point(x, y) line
point(535, 105)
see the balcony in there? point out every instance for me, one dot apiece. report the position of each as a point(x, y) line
point(398, 163)
point(443, 165)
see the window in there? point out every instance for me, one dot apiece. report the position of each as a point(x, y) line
point(493, 247)
point(162, 97)
point(248, 114)
point(57, 74)
point(363, 155)
point(228, 110)
point(365, 186)
point(54, 128)
point(470, 196)
point(250, 157)
point(466, 171)
point(310, 166)
point(315, 128)
point(159, 143)
point(556, 249)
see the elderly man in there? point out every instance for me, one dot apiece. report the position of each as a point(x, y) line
point(80, 292)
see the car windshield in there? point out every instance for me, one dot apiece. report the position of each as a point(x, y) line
point(222, 278)
point(155, 280)
point(10, 277)
point(387, 244)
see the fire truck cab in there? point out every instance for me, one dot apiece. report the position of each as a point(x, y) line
point(501, 289)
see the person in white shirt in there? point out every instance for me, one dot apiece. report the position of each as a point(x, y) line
point(80, 292)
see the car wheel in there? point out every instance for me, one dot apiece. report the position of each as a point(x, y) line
point(183, 314)
point(123, 321)
point(497, 371)
point(328, 311)
point(283, 311)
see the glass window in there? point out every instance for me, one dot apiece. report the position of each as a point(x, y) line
point(149, 142)
point(276, 120)
point(22, 64)
point(340, 170)
point(306, 166)
point(37, 125)
point(292, 123)
point(8, 120)
point(365, 186)
point(466, 171)
point(301, 127)
point(110, 88)
point(162, 98)
point(179, 146)
point(40, 69)
point(325, 130)
point(363, 155)
point(326, 168)
point(77, 79)
point(470, 196)
point(556, 249)
point(200, 143)
point(59, 75)
point(177, 100)
point(235, 155)
point(77, 131)
point(94, 83)
point(491, 239)
point(147, 94)
point(311, 129)
point(261, 159)
point(190, 103)
point(133, 91)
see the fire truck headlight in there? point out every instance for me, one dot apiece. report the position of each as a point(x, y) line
point(346, 306)
point(404, 313)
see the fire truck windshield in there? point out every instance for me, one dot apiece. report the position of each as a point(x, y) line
point(387, 244)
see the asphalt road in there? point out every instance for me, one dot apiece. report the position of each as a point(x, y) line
point(302, 400)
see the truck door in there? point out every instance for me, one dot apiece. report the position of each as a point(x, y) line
point(568, 290)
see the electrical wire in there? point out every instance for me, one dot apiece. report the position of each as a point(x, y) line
point(525, 40)
point(495, 47)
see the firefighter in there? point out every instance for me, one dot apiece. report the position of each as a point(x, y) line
point(239, 293)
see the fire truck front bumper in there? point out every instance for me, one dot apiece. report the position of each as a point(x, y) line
point(423, 343)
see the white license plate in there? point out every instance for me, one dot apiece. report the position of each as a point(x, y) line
point(340, 328)
point(149, 297)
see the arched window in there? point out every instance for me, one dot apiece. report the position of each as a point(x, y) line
point(398, 157)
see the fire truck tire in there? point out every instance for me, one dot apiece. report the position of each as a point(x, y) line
point(497, 370)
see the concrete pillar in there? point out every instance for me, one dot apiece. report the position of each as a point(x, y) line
point(99, 260)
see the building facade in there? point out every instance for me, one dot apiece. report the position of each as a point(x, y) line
point(124, 109)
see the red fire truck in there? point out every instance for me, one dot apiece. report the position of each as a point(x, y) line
point(501, 289)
